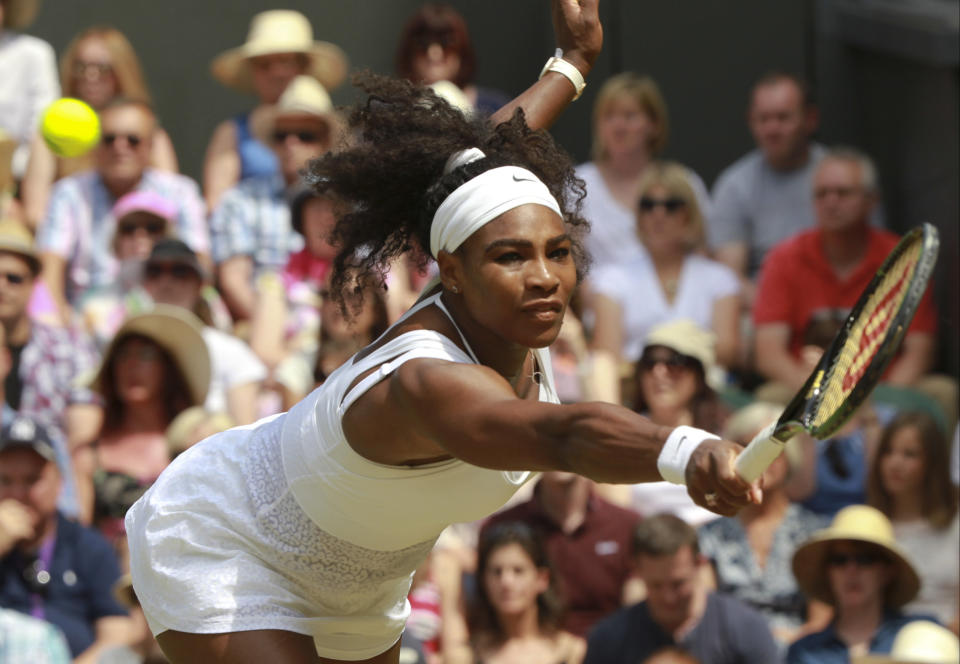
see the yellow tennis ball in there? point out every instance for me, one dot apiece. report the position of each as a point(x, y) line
point(70, 127)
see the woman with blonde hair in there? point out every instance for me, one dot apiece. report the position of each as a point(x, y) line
point(630, 131)
point(670, 281)
point(97, 66)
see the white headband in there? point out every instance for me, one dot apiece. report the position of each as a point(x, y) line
point(480, 200)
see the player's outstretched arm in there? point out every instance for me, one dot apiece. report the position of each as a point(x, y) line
point(576, 26)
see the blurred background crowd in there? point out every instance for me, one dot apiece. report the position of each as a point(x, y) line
point(143, 309)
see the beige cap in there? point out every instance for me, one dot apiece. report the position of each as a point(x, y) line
point(687, 338)
point(303, 96)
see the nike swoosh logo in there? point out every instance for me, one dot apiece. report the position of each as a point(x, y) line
point(519, 179)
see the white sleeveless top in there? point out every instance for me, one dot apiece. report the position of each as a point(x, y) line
point(377, 506)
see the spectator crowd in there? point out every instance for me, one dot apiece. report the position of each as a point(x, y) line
point(142, 311)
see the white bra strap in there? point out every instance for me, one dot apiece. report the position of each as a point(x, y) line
point(466, 345)
point(382, 372)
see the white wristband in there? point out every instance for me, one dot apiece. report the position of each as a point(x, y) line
point(676, 452)
point(561, 66)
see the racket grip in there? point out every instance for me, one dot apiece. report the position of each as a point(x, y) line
point(759, 454)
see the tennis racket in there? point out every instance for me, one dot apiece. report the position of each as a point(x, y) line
point(856, 358)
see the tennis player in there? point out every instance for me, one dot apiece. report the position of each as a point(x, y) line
point(297, 536)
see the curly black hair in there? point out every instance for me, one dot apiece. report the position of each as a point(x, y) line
point(388, 181)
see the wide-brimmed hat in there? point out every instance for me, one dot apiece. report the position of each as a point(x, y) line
point(280, 31)
point(19, 14)
point(15, 238)
point(179, 333)
point(303, 96)
point(687, 338)
point(918, 642)
point(856, 523)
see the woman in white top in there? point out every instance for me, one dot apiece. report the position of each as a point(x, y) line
point(630, 131)
point(298, 535)
point(909, 481)
point(671, 281)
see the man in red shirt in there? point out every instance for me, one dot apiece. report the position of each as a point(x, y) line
point(810, 281)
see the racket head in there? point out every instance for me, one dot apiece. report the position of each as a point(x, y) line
point(870, 336)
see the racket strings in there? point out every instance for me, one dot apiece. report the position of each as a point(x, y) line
point(867, 333)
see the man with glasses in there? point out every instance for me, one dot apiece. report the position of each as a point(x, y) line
point(76, 236)
point(250, 229)
point(52, 568)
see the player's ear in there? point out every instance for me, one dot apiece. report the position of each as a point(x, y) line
point(451, 271)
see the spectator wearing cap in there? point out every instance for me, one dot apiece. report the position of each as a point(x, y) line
point(50, 567)
point(28, 78)
point(156, 366)
point(143, 217)
point(285, 329)
point(76, 235)
point(672, 386)
point(279, 47)
point(174, 276)
point(251, 227)
point(856, 566)
point(44, 361)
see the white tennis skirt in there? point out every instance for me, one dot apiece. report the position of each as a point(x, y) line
point(218, 544)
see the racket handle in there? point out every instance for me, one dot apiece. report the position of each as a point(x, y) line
point(759, 454)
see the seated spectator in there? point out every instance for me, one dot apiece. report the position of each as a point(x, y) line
point(516, 614)
point(154, 368)
point(751, 553)
point(909, 481)
point(919, 642)
point(143, 217)
point(630, 130)
point(827, 268)
point(588, 543)
point(435, 46)
point(279, 47)
point(669, 282)
point(174, 276)
point(671, 388)
point(28, 79)
point(250, 228)
point(764, 197)
point(679, 610)
point(857, 567)
point(50, 567)
point(98, 66)
point(45, 362)
point(75, 237)
point(26, 640)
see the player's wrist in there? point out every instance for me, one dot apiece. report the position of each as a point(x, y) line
point(561, 64)
point(677, 451)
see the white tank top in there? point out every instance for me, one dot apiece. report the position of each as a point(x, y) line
point(379, 506)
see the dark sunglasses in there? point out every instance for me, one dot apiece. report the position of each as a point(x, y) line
point(152, 227)
point(672, 204)
point(175, 270)
point(671, 359)
point(13, 278)
point(865, 559)
point(132, 139)
point(280, 136)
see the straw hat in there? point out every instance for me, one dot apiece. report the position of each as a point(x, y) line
point(280, 31)
point(15, 238)
point(687, 338)
point(303, 96)
point(857, 523)
point(19, 14)
point(919, 642)
point(178, 332)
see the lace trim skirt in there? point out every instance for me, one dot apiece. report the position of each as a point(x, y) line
point(218, 544)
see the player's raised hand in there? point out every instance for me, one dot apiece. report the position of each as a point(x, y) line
point(712, 480)
point(576, 24)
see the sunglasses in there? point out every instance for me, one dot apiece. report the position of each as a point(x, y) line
point(132, 139)
point(280, 136)
point(672, 204)
point(151, 227)
point(859, 559)
point(671, 359)
point(13, 278)
point(175, 270)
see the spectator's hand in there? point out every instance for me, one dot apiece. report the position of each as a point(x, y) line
point(15, 524)
point(576, 24)
point(713, 482)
